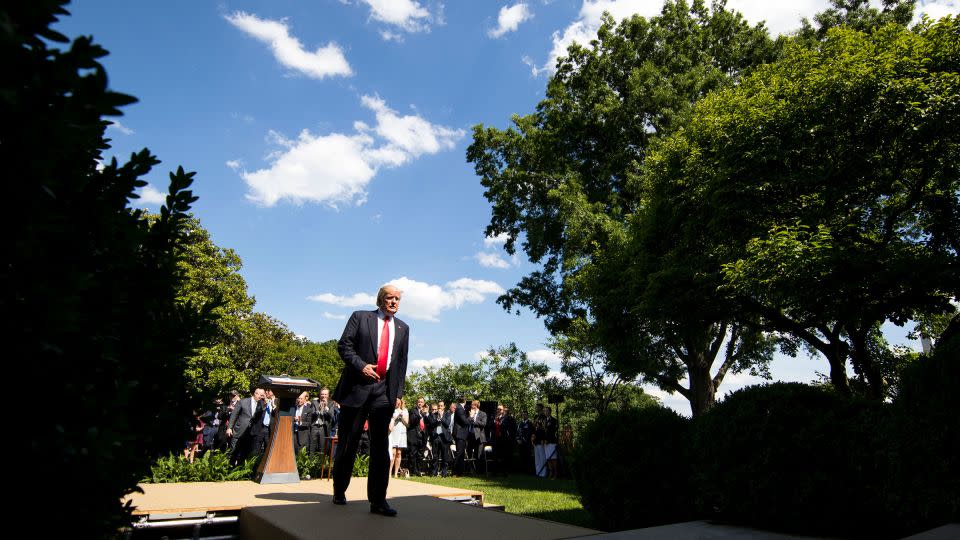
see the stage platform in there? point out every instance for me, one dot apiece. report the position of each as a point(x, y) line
point(228, 496)
point(304, 510)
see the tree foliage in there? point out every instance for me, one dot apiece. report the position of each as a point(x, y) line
point(90, 285)
point(247, 343)
point(827, 184)
point(560, 177)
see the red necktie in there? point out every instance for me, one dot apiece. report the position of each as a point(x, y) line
point(384, 345)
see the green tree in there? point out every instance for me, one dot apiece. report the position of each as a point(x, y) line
point(513, 379)
point(90, 285)
point(856, 14)
point(827, 186)
point(560, 177)
point(447, 382)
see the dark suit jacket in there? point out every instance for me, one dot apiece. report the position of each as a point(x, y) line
point(461, 423)
point(241, 418)
point(358, 347)
point(432, 422)
point(307, 415)
point(478, 425)
point(413, 430)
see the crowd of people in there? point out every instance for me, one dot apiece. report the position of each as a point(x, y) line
point(425, 439)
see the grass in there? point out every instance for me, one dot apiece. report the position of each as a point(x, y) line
point(527, 495)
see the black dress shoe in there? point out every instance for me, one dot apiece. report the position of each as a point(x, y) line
point(340, 499)
point(383, 509)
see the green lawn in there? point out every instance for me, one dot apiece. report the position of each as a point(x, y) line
point(555, 500)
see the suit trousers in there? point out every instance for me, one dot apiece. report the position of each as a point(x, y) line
point(440, 450)
point(377, 411)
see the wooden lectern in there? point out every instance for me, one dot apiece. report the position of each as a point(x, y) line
point(279, 463)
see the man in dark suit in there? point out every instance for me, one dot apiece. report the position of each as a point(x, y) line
point(303, 417)
point(440, 438)
point(373, 348)
point(323, 423)
point(504, 436)
point(415, 437)
point(247, 413)
point(461, 430)
point(477, 439)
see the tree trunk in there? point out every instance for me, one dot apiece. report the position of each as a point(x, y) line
point(703, 393)
point(838, 369)
point(863, 363)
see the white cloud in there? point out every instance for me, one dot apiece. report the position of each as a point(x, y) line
point(336, 168)
point(491, 260)
point(234, 164)
point(407, 15)
point(544, 355)
point(479, 355)
point(497, 240)
point(423, 301)
point(411, 134)
point(509, 19)
point(324, 62)
point(114, 124)
point(356, 300)
point(334, 316)
point(433, 363)
point(935, 9)
point(150, 195)
point(391, 36)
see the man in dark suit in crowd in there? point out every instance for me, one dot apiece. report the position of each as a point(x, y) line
point(477, 438)
point(373, 348)
point(323, 425)
point(245, 415)
point(461, 430)
point(440, 438)
point(261, 429)
point(303, 417)
point(504, 436)
point(223, 417)
point(524, 436)
point(415, 437)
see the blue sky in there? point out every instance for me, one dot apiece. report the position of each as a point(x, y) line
point(329, 136)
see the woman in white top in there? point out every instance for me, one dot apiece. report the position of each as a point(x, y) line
point(398, 437)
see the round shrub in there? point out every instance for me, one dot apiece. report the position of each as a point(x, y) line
point(791, 457)
point(922, 456)
point(631, 468)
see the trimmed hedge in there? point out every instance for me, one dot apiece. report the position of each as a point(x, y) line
point(785, 456)
point(791, 457)
point(631, 468)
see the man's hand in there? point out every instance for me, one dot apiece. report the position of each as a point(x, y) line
point(370, 371)
point(229, 433)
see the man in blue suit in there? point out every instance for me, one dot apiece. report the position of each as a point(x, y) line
point(374, 352)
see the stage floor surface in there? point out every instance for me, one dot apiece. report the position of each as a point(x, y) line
point(222, 496)
point(304, 510)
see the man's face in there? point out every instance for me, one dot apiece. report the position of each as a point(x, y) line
point(258, 394)
point(269, 394)
point(391, 302)
point(440, 406)
point(301, 399)
point(324, 395)
point(433, 409)
point(420, 403)
point(453, 407)
point(499, 411)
